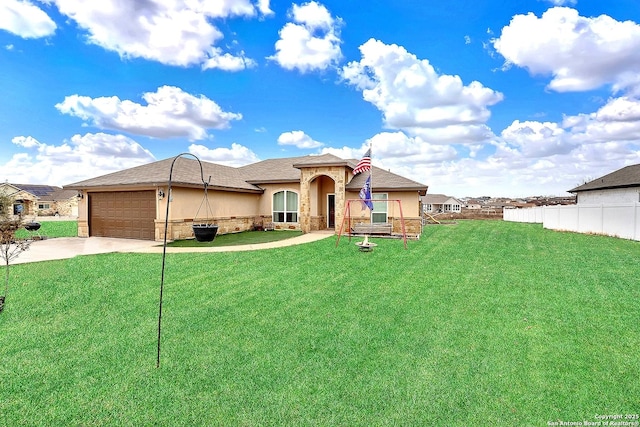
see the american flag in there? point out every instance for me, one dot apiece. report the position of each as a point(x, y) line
point(364, 164)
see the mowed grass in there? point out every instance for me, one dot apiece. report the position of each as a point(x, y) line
point(235, 239)
point(51, 229)
point(479, 323)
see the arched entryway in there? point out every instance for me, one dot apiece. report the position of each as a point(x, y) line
point(322, 197)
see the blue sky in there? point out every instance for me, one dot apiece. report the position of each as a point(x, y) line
point(472, 98)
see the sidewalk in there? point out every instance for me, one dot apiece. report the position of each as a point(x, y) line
point(69, 247)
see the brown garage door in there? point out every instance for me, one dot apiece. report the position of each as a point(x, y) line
point(127, 214)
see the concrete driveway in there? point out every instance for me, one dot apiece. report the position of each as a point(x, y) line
point(69, 247)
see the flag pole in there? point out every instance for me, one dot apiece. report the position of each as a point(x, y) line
point(371, 172)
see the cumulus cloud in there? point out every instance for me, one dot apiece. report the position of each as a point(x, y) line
point(527, 158)
point(413, 97)
point(180, 33)
point(298, 139)
point(311, 42)
point(537, 139)
point(617, 120)
point(170, 112)
point(398, 152)
point(81, 157)
point(25, 19)
point(579, 53)
point(236, 156)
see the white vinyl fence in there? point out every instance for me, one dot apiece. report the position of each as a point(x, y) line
point(619, 220)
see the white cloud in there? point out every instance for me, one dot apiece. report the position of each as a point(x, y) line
point(237, 155)
point(298, 139)
point(536, 139)
point(179, 32)
point(397, 151)
point(311, 42)
point(82, 157)
point(413, 97)
point(579, 53)
point(25, 19)
point(228, 62)
point(528, 158)
point(264, 8)
point(618, 120)
point(170, 112)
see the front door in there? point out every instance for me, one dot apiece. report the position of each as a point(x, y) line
point(331, 210)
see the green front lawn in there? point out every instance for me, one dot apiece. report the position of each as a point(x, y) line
point(51, 229)
point(479, 323)
point(235, 239)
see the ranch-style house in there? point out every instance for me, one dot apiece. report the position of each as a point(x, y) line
point(302, 193)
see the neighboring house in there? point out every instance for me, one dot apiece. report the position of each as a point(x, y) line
point(621, 186)
point(473, 204)
point(41, 200)
point(439, 203)
point(303, 193)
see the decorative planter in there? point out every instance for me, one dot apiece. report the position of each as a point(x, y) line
point(32, 226)
point(205, 232)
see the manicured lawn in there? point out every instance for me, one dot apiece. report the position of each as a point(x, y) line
point(234, 239)
point(51, 229)
point(479, 323)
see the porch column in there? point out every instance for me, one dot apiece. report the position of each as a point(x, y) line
point(305, 201)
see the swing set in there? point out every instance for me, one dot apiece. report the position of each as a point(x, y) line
point(370, 228)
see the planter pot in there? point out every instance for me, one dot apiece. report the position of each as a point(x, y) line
point(32, 226)
point(205, 232)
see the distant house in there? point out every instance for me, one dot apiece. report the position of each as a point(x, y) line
point(621, 186)
point(41, 200)
point(302, 193)
point(473, 204)
point(439, 203)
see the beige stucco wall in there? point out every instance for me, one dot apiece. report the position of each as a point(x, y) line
point(234, 211)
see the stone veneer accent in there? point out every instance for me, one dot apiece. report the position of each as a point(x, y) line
point(307, 175)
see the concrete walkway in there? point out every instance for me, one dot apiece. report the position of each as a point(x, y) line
point(69, 247)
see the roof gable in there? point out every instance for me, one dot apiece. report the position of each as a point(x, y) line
point(628, 176)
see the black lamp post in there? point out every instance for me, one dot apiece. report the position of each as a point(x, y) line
point(164, 249)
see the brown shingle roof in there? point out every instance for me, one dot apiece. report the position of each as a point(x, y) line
point(628, 176)
point(383, 180)
point(186, 172)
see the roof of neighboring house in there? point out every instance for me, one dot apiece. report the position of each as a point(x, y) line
point(44, 192)
point(437, 199)
point(186, 172)
point(628, 176)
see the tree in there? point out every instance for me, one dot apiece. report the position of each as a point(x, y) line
point(10, 246)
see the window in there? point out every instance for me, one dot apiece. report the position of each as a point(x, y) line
point(285, 206)
point(379, 213)
point(43, 205)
